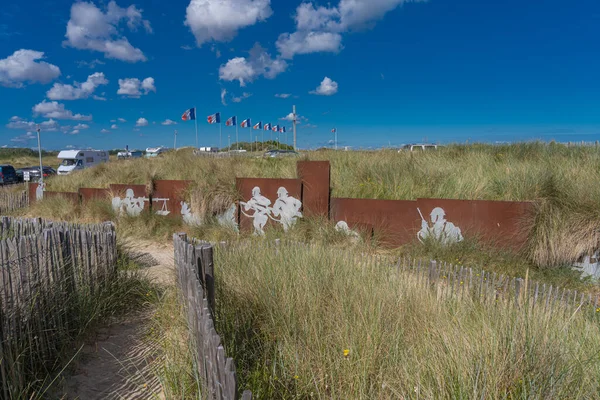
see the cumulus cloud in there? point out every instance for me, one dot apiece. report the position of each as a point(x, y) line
point(90, 64)
point(290, 117)
point(327, 87)
point(223, 94)
point(168, 122)
point(25, 138)
point(133, 87)
point(320, 29)
point(25, 66)
point(308, 42)
point(283, 95)
point(81, 126)
point(247, 69)
point(104, 131)
point(220, 20)
point(238, 99)
point(78, 90)
point(122, 120)
point(90, 28)
point(53, 109)
point(20, 123)
point(74, 132)
point(141, 122)
point(114, 126)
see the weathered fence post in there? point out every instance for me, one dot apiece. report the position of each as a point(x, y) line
point(206, 254)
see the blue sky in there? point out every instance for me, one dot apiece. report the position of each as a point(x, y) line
point(380, 71)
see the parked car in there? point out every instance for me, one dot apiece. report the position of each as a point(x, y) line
point(8, 175)
point(418, 147)
point(280, 153)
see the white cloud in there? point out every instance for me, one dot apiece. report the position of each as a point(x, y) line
point(74, 132)
point(308, 42)
point(168, 122)
point(20, 123)
point(133, 87)
point(239, 99)
point(141, 122)
point(81, 126)
point(89, 28)
point(24, 66)
point(290, 117)
point(104, 131)
point(187, 47)
point(283, 95)
point(247, 69)
point(122, 120)
point(223, 94)
point(320, 29)
point(220, 20)
point(78, 90)
point(114, 126)
point(53, 109)
point(99, 98)
point(90, 64)
point(23, 138)
point(326, 88)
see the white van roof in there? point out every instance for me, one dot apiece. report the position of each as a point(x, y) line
point(68, 154)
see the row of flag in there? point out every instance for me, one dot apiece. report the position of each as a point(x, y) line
point(190, 115)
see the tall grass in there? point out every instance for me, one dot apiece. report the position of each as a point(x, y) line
point(316, 323)
point(561, 180)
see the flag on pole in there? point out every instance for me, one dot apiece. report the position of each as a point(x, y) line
point(189, 115)
point(267, 127)
point(275, 128)
point(258, 126)
point(282, 129)
point(246, 123)
point(214, 119)
point(231, 121)
point(333, 130)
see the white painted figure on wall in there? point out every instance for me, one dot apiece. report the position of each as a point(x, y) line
point(589, 266)
point(287, 208)
point(130, 205)
point(441, 230)
point(342, 227)
point(228, 218)
point(260, 205)
point(188, 216)
point(39, 191)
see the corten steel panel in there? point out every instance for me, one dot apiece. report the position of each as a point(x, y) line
point(500, 223)
point(120, 189)
point(268, 188)
point(94, 194)
point(315, 176)
point(174, 191)
point(68, 196)
point(32, 188)
point(394, 222)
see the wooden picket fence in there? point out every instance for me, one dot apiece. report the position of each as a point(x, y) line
point(11, 201)
point(43, 273)
point(195, 272)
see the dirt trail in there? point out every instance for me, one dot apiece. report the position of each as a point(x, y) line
point(118, 363)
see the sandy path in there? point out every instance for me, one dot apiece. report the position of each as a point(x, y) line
point(118, 362)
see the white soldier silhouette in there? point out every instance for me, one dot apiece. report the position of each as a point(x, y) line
point(131, 205)
point(39, 191)
point(227, 219)
point(589, 266)
point(442, 230)
point(188, 216)
point(260, 205)
point(342, 227)
point(287, 208)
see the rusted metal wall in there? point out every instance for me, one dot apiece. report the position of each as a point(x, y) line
point(68, 196)
point(316, 177)
point(502, 223)
point(94, 194)
point(120, 190)
point(168, 195)
point(394, 222)
point(32, 189)
point(268, 188)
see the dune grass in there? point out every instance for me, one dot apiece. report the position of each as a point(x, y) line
point(316, 323)
point(561, 180)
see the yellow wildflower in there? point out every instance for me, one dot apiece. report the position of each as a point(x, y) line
point(346, 352)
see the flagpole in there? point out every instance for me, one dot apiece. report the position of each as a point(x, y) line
point(237, 142)
point(220, 135)
point(196, 123)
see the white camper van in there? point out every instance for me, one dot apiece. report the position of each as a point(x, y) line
point(72, 160)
